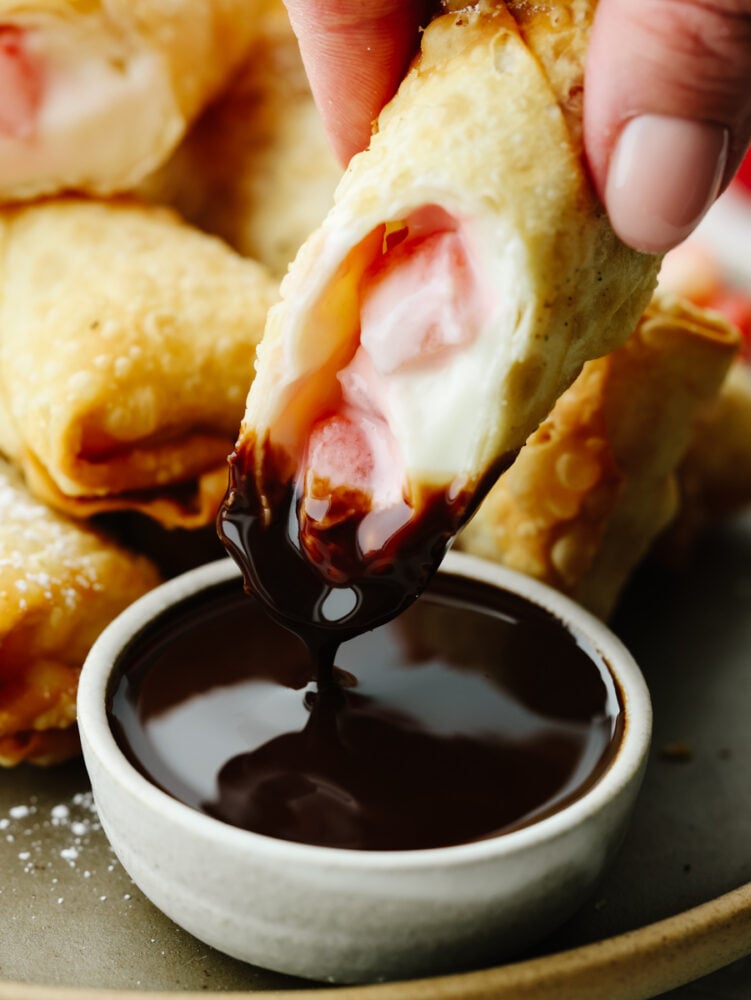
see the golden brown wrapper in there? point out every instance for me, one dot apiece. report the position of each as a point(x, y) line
point(485, 129)
point(153, 63)
point(596, 482)
point(60, 585)
point(256, 169)
point(126, 338)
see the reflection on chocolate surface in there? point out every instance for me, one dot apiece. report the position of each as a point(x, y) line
point(472, 714)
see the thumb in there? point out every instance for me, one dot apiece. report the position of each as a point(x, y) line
point(355, 54)
point(667, 111)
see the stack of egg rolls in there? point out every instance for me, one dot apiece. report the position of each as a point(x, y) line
point(126, 335)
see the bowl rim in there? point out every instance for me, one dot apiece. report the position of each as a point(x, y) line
point(627, 762)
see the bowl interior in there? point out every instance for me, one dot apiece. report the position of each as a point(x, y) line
point(535, 718)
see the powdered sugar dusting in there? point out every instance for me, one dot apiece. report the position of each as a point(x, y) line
point(47, 560)
point(34, 540)
point(37, 833)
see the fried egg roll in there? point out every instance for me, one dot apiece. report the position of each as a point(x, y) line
point(462, 278)
point(97, 94)
point(125, 342)
point(597, 482)
point(256, 169)
point(60, 585)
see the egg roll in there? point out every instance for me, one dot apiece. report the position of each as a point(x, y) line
point(597, 482)
point(126, 337)
point(256, 169)
point(462, 278)
point(95, 95)
point(60, 585)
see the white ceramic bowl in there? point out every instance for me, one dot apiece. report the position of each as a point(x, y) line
point(345, 915)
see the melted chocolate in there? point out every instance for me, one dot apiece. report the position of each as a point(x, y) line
point(320, 578)
point(472, 714)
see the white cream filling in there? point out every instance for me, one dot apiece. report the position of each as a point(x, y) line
point(439, 410)
point(107, 112)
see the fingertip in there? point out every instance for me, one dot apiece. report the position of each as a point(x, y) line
point(664, 174)
point(667, 112)
point(355, 58)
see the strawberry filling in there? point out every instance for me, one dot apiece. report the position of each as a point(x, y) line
point(341, 454)
point(420, 302)
point(20, 85)
point(352, 465)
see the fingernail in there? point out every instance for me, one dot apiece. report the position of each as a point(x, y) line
point(664, 174)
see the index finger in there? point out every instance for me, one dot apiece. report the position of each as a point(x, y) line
point(355, 54)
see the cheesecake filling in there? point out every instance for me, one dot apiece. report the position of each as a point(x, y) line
point(421, 303)
point(365, 444)
point(79, 103)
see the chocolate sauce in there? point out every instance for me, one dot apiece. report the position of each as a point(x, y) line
point(320, 578)
point(472, 714)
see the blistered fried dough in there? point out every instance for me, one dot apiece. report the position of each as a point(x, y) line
point(97, 94)
point(596, 482)
point(125, 342)
point(256, 169)
point(462, 278)
point(60, 584)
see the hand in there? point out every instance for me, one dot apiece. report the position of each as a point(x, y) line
point(667, 114)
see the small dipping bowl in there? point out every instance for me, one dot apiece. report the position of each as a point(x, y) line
point(344, 915)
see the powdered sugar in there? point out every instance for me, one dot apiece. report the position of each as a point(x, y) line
point(50, 840)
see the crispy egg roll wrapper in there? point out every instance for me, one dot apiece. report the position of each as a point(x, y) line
point(596, 482)
point(256, 169)
point(125, 341)
point(98, 94)
point(462, 278)
point(60, 585)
